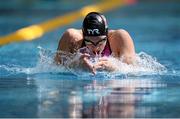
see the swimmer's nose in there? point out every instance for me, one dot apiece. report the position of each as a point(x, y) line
point(96, 48)
point(96, 51)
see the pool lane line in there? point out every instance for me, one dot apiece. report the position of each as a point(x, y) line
point(37, 30)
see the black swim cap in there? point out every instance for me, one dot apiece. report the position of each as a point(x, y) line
point(94, 24)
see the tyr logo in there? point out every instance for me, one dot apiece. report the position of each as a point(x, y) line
point(93, 31)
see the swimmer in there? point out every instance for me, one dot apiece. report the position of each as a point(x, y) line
point(95, 39)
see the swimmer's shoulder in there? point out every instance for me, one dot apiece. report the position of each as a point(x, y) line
point(74, 39)
point(117, 32)
point(120, 40)
point(119, 35)
point(74, 34)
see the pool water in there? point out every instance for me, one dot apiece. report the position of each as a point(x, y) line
point(32, 86)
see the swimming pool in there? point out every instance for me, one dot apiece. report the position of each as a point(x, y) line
point(31, 86)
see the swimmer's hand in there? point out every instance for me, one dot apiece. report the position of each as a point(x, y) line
point(104, 64)
point(86, 62)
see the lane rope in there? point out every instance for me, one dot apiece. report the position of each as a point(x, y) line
point(37, 30)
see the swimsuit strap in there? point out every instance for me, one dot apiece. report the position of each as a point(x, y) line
point(107, 49)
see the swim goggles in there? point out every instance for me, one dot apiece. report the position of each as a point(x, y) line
point(89, 42)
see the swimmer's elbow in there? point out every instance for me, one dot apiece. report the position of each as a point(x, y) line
point(128, 59)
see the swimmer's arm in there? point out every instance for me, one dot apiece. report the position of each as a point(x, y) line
point(127, 50)
point(65, 45)
point(86, 64)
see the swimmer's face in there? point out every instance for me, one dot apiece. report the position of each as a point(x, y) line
point(95, 43)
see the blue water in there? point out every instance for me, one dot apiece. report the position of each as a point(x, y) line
point(32, 86)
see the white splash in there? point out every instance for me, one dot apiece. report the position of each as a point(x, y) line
point(144, 63)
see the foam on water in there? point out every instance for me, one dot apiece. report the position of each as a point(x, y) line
point(144, 64)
